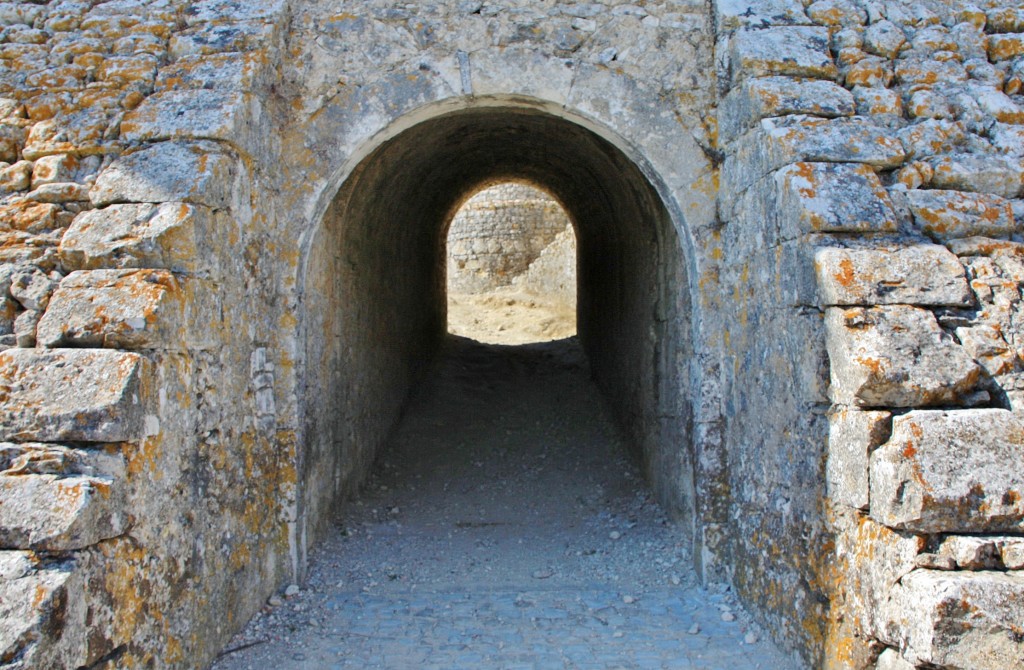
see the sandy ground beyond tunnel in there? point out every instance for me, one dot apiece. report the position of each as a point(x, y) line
point(504, 528)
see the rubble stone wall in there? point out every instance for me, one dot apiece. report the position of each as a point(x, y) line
point(500, 232)
point(800, 266)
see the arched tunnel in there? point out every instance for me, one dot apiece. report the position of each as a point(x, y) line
point(374, 293)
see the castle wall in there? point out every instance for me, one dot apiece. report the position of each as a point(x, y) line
point(799, 272)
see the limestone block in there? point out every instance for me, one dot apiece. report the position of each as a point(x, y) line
point(73, 395)
point(1005, 20)
point(985, 344)
point(832, 197)
point(890, 659)
point(207, 11)
point(1011, 552)
point(733, 14)
point(798, 51)
point(212, 38)
point(895, 356)
point(960, 619)
point(852, 436)
point(59, 513)
point(30, 600)
point(194, 172)
point(219, 114)
point(971, 553)
point(884, 38)
point(1005, 47)
point(945, 215)
point(949, 471)
point(985, 246)
point(118, 309)
point(920, 274)
point(757, 99)
point(173, 235)
point(227, 71)
point(928, 72)
point(1000, 175)
point(842, 140)
point(877, 102)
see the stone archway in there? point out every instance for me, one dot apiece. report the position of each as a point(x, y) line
point(374, 287)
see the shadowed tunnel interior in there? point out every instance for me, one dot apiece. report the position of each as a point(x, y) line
point(375, 290)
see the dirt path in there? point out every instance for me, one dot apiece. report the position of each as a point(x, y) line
point(504, 528)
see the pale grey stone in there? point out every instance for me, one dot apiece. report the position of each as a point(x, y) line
point(198, 173)
point(946, 471)
point(800, 51)
point(884, 39)
point(1011, 552)
point(59, 513)
point(945, 215)
point(27, 603)
point(1000, 175)
point(959, 619)
point(971, 553)
point(169, 235)
point(890, 659)
point(733, 14)
point(219, 114)
point(895, 356)
point(32, 288)
point(852, 436)
point(25, 327)
point(930, 561)
point(73, 394)
point(119, 309)
point(831, 197)
point(919, 274)
point(757, 99)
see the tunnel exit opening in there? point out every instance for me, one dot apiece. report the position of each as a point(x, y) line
point(511, 266)
point(376, 291)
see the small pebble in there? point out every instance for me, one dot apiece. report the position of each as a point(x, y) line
point(274, 601)
point(292, 590)
point(694, 629)
point(728, 616)
point(542, 574)
point(629, 600)
point(617, 633)
point(614, 535)
point(750, 637)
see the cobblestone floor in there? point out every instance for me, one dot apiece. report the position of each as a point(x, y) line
point(505, 528)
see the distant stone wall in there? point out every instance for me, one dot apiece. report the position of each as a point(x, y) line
point(499, 232)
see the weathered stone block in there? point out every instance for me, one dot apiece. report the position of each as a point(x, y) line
point(193, 172)
point(1000, 175)
point(58, 513)
point(829, 197)
point(119, 309)
point(227, 72)
point(1005, 47)
point(921, 274)
point(985, 344)
point(972, 553)
point(890, 659)
point(73, 395)
point(1011, 552)
point(948, 471)
point(757, 99)
point(732, 14)
point(30, 599)
point(959, 619)
point(852, 436)
point(945, 215)
point(176, 236)
point(798, 51)
point(220, 114)
point(842, 140)
point(895, 356)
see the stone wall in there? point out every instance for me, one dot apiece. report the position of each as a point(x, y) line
point(222, 270)
point(497, 235)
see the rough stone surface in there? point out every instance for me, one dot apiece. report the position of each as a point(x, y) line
point(117, 309)
point(945, 215)
point(946, 471)
point(922, 274)
point(959, 619)
point(853, 435)
point(895, 356)
point(77, 395)
point(830, 197)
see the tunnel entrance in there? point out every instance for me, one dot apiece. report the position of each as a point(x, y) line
point(511, 267)
point(375, 290)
